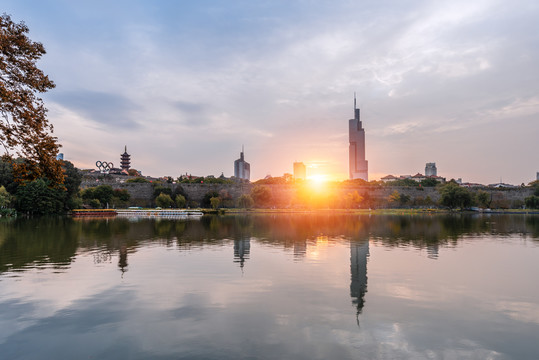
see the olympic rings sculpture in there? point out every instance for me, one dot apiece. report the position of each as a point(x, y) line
point(104, 166)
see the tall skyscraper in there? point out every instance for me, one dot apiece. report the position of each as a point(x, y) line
point(430, 169)
point(359, 167)
point(300, 171)
point(242, 169)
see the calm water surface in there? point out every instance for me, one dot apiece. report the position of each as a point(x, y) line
point(271, 287)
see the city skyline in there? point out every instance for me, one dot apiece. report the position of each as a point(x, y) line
point(184, 83)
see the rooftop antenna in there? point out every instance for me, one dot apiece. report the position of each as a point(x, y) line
point(355, 100)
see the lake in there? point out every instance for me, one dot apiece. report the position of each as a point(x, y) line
point(287, 286)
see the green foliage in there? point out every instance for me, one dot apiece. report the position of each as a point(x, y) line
point(245, 201)
point(180, 201)
point(206, 203)
point(394, 197)
point(158, 189)
point(358, 182)
point(404, 199)
point(138, 180)
point(261, 195)
point(429, 182)
point(6, 176)
point(120, 198)
point(5, 197)
point(122, 194)
point(94, 203)
point(38, 198)
point(532, 202)
point(103, 193)
point(483, 199)
point(279, 180)
point(5, 212)
point(353, 199)
point(215, 201)
point(164, 200)
point(454, 196)
point(72, 181)
point(204, 180)
point(403, 182)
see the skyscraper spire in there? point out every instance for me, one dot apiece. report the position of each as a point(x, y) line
point(356, 133)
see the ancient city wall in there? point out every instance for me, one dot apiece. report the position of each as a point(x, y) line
point(283, 195)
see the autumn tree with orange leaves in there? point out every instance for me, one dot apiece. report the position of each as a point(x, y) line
point(25, 131)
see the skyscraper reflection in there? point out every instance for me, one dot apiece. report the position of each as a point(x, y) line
point(359, 252)
point(242, 248)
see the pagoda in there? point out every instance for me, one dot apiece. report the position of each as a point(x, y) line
point(126, 162)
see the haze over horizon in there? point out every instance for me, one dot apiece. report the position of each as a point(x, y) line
point(185, 84)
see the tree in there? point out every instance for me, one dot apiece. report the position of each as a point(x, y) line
point(245, 201)
point(429, 182)
point(24, 128)
point(158, 189)
point(353, 199)
point(180, 201)
point(37, 197)
point(133, 172)
point(532, 202)
point(261, 195)
point(483, 199)
point(395, 197)
point(164, 200)
point(215, 202)
point(454, 196)
point(72, 181)
point(102, 193)
point(206, 203)
point(5, 197)
point(404, 199)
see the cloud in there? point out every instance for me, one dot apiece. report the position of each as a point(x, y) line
point(110, 109)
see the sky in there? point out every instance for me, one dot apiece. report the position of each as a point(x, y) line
point(185, 84)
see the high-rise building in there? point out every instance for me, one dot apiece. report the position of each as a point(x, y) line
point(125, 160)
point(300, 171)
point(60, 156)
point(430, 169)
point(242, 169)
point(359, 167)
point(538, 176)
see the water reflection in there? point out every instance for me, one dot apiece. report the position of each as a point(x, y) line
point(241, 251)
point(56, 241)
point(172, 289)
point(359, 252)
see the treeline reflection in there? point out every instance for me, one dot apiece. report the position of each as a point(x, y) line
point(56, 241)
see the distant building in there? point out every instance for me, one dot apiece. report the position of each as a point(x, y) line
point(359, 167)
point(388, 178)
point(125, 160)
point(300, 171)
point(538, 176)
point(430, 169)
point(60, 156)
point(418, 177)
point(242, 169)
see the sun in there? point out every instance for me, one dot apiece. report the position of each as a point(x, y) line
point(318, 182)
point(318, 178)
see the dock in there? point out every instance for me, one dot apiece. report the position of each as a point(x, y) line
point(161, 213)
